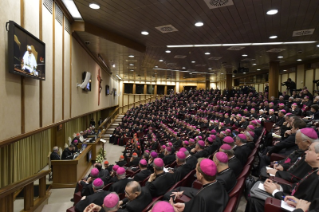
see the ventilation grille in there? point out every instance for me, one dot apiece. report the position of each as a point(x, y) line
point(302, 32)
point(67, 26)
point(166, 28)
point(49, 5)
point(180, 56)
point(276, 50)
point(213, 4)
point(236, 48)
point(214, 58)
point(58, 14)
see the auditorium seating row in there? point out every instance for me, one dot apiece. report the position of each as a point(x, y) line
point(189, 180)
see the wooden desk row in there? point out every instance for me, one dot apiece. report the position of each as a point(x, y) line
point(66, 173)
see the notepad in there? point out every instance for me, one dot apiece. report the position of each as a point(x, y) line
point(287, 207)
point(269, 168)
point(261, 186)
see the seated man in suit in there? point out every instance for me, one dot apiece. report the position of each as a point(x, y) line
point(68, 152)
point(169, 156)
point(225, 175)
point(243, 149)
point(233, 163)
point(212, 196)
point(137, 198)
point(144, 173)
point(134, 160)
point(159, 182)
point(119, 186)
point(96, 198)
point(55, 154)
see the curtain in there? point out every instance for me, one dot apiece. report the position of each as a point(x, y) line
point(24, 158)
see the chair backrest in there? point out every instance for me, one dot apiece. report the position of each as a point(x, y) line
point(250, 160)
point(144, 181)
point(122, 196)
point(189, 178)
point(238, 189)
point(268, 125)
point(231, 205)
point(245, 172)
point(151, 204)
point(107, 187)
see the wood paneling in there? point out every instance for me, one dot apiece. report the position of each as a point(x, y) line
point(309, 76)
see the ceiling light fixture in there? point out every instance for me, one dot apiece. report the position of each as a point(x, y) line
point(183, 67)
point(156, 66)
point(131, 70)
point(144, 33)
point(168, 51)
point(131, 56)
point(240, 44)
point(193, 61)
point(94, 6)
point(254, 64)
point(284, 70)
point(113, 65)
point(318, 45)
point(273, 37)
point(131, 64)
point(244, 72)
point(118, 77)
point(272, 12)
point(199, 24)
point(244, 55)
point(207, 53)
point(280, 57)
point(72, 9)
point(258, 69)
point(299, 60)
point(221, 73)
point(161, 60)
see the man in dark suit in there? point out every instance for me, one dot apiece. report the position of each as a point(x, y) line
point(137, 198)
point(55, 155)
point(169, 156)
point(119, 186)
point(96, 198)
point(67, 153)
point(144, 173)
point(159, 182)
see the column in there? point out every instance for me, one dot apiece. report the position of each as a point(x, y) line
point(273, 79)
point(229, 81)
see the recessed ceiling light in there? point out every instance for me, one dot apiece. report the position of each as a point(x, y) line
point(156, 66)
point(207, 53)
point(184, 68)
point(244, 55)
point(272, 12)
point(113, 65)
point(221, 73)
point(193, 61)
point(318, 45)
point(94, 6)
point(273, 37)
point(131, 56)
point(210, 69)
point(131, 70)
point(168, 51)
point(280, 57)
point(190, 73)
point(144, 33)
point(299, 60)
point(284, 70)
point(258, 69)
point(199, 24)
point(244, 72)
point(254, 64)
point(161, 60)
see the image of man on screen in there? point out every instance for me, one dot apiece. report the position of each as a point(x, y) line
point(29, 62)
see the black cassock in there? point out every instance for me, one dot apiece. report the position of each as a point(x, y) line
point(161, 184)
point(96, 198)
point(235, 165)
point(307, 189)
point(227, 178)
point(138, 204)
point(212, 197)
point(242, 153)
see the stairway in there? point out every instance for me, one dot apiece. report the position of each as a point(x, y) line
point(110, 130)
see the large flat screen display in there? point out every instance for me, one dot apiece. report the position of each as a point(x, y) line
point(26, 53)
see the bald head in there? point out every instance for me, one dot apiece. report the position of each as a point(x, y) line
point(132, 190)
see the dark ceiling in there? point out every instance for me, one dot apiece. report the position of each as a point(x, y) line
point(245, 21)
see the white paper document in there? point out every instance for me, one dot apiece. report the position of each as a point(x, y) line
point(261, 186)
point(269, 168)
point(287, 207)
